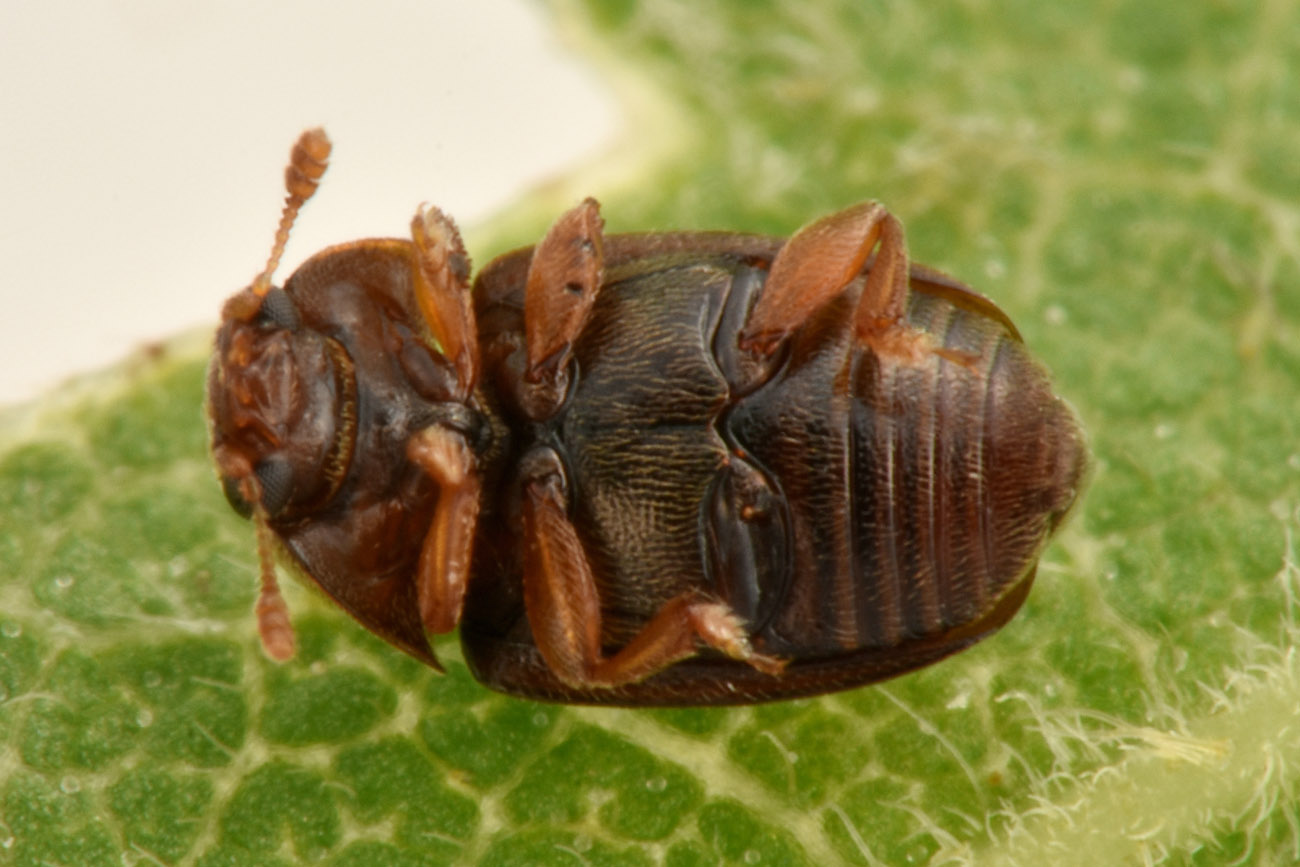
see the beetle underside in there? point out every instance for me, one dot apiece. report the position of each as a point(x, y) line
point(878, 462)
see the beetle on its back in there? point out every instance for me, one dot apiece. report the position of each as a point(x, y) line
point(683, 468)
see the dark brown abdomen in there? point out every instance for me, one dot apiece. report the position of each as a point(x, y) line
point(920, 497)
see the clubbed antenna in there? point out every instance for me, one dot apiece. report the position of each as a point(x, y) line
point(307, 162)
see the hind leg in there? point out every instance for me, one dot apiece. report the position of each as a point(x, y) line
point(563, 603)
point(820, 262)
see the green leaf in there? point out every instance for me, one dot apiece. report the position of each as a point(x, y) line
point(1123, 178)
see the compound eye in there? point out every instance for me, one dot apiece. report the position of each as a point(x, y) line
point(279, 311)
point(275, 475)
point(230, 486)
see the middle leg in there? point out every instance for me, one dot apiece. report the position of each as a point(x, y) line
point(563, 603)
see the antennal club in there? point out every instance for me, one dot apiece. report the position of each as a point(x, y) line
point(307, 162)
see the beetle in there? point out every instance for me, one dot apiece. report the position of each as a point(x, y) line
point(678, 468)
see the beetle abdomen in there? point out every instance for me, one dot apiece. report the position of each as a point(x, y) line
point(959, 475)
point(921, 496)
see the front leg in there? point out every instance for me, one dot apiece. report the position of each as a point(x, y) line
point(447, 551)
point(440, 278)
point(563, 603)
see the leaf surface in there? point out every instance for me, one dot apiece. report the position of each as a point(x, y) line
point(1122, 178)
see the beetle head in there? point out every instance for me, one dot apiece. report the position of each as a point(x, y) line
point(281, 402)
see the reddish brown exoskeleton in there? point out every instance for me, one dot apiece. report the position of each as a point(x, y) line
point(655, 469)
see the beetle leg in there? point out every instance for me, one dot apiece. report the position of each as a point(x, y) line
point(448, 546)
point(819, 262)
point(563, 279)
point(563, 606)
point(441, 277)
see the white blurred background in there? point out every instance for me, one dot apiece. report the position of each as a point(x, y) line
point(143, 144)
